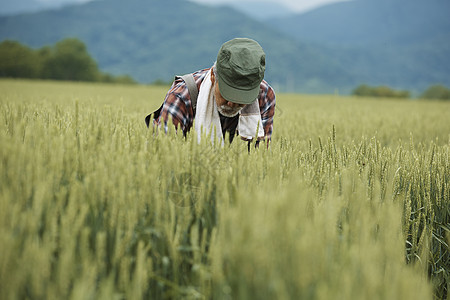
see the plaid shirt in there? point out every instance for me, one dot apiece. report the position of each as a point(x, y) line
point(177, 105)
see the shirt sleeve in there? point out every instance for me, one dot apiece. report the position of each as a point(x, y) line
point(177, 104)
point(177, 107)
point(267, 108)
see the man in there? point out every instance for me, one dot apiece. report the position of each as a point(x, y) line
point(232, 96)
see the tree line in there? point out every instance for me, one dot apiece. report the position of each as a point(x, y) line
point(68, 59)
point(437, 91)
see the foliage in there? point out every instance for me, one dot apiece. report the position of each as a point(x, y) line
point(17, 60)
point(160, 82)
point(69, 60)
point(124, 79)
point(351, 200)
point(379, 91)
point(437, 91)
point(66, 60)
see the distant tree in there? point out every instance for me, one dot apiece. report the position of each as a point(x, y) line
point(362, 90)
point(124, 79)
point(160, 82)
point(66, 60)
point(44, 54)
point(437, 91)
point(17, 60)
point(69, 60)
point(106, 77)
point(382, 91)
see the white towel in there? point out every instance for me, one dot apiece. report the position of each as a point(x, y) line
point(207, 118)
point(250, 122)
point(206, 115)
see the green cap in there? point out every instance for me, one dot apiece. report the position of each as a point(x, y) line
point(240, 65)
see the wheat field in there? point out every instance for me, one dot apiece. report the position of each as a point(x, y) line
point(350, 201)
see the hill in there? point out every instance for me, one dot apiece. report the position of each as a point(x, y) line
point(154, 40)
point(396, 42)
point(8, 7)
point(15, 7)
point(403, 44)
point(370, 22)
point(262, 10)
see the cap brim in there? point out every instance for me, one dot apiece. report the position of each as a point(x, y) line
point(237, 95)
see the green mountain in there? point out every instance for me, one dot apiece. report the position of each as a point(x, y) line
point(338, 46)
point(154, 40)
point(262, 10)
point(15, 7)
point(402, 43)
point(370, 22)
point(9, 7)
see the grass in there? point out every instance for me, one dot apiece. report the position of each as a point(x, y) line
point(351, 201)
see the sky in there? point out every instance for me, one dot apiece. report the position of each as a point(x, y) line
point(295, 5)
point(61, 1)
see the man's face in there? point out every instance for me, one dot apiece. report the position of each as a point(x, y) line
point(225, 107)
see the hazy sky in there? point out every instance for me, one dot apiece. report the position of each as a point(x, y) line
point(295, 5)
point(61, 1)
